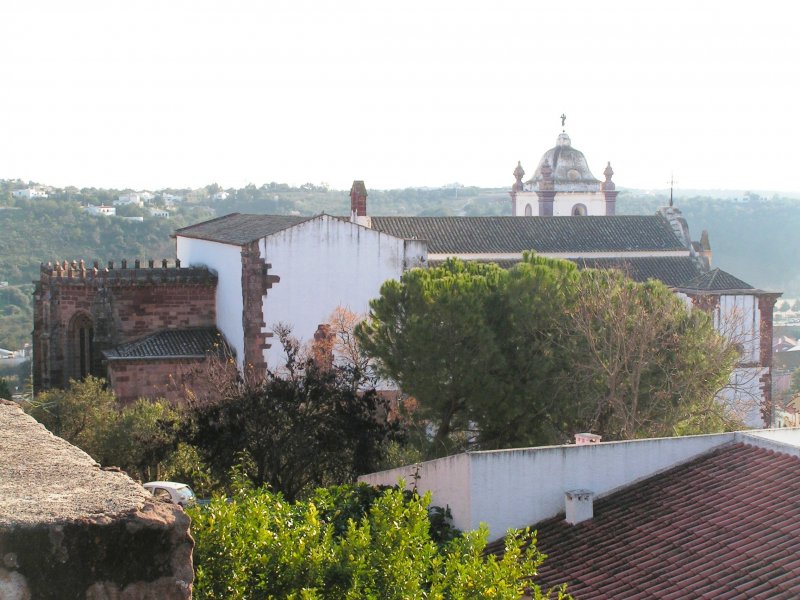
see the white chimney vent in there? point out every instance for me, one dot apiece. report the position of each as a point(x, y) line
point(579, 506)
point(582, 439)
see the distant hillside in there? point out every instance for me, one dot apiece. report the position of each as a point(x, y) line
point(752, 237)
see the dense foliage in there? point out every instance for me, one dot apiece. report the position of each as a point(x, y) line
point(258, 545)
point(533, 354)
point(140, 438)
point(306, 427)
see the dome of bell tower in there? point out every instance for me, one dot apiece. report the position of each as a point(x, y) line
point(570, 170)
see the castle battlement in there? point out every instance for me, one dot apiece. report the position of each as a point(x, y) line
point(65, 272)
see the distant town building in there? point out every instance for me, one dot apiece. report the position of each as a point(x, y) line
point(129, 199)
point(107, 211)
point(29, 193)
point(159, 212)
point(170, 198)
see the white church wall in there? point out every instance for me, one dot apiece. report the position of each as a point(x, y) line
point(516, 488)
point(226, 261)
point(743, 395)
point(324, 263)
point(524, 199)
point(563, 203)
point(737, 318)
point(595, 203)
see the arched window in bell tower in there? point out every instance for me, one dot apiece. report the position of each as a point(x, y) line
point(579, 210)
point(80, 346)
point(528, 210)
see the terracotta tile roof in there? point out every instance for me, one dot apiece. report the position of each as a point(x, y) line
point(716, 280)
point(172, 343)
point(725, 525)
point(240, 229)
point(465, 235)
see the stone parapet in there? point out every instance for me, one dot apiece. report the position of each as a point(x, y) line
point(71, 529)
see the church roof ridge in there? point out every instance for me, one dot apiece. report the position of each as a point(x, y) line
point(454, 235)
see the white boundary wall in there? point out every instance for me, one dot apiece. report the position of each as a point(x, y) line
point(517, 488)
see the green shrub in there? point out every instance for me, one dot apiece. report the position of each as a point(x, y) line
point(257, 545)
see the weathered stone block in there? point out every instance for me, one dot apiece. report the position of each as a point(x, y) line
point(70, 529)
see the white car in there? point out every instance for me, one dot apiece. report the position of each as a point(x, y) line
point(179, 493)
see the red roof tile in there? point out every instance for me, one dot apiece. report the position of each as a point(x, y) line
point(725, 525)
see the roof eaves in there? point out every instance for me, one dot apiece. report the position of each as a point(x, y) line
point(177, 232)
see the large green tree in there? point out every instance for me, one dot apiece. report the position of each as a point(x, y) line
point(536, 353)
point(642, 364)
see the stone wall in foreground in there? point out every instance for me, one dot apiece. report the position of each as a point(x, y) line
point(70, 529)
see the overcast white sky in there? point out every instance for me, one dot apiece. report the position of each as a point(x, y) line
point(149, 94)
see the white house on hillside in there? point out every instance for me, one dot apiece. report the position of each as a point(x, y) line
point(107, 211)
point(29, 193)
point(129, 199)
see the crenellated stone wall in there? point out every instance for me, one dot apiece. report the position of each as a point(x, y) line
point(80, 311)
point(70, 529)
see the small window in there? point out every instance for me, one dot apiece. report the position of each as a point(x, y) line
point(528, 210)
point(579, 210)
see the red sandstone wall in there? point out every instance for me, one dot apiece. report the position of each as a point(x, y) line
point(123, 304)
point(131, 380)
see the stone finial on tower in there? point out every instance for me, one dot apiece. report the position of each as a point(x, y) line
point(609, 173)
point(519, 173)
point(547, 177)
point(546, 190)
point(610, 190)
point(705, 249)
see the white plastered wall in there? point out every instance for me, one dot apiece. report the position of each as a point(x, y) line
point(324, 263)
point(595, 203)
point(226, 261)
point(737, 318)
point(518, 488)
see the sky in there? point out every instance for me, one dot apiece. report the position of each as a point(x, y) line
point(154, 94)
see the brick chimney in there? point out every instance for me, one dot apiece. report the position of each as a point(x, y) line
point(358, 203)
point(578, 505)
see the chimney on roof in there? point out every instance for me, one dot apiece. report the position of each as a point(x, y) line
point(581, 439)
point(358, 203)
point(579, 506)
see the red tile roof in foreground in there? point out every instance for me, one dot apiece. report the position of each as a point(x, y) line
point(726, 525)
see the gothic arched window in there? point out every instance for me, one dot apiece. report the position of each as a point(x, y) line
point(528, 210)
point(80, 342)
